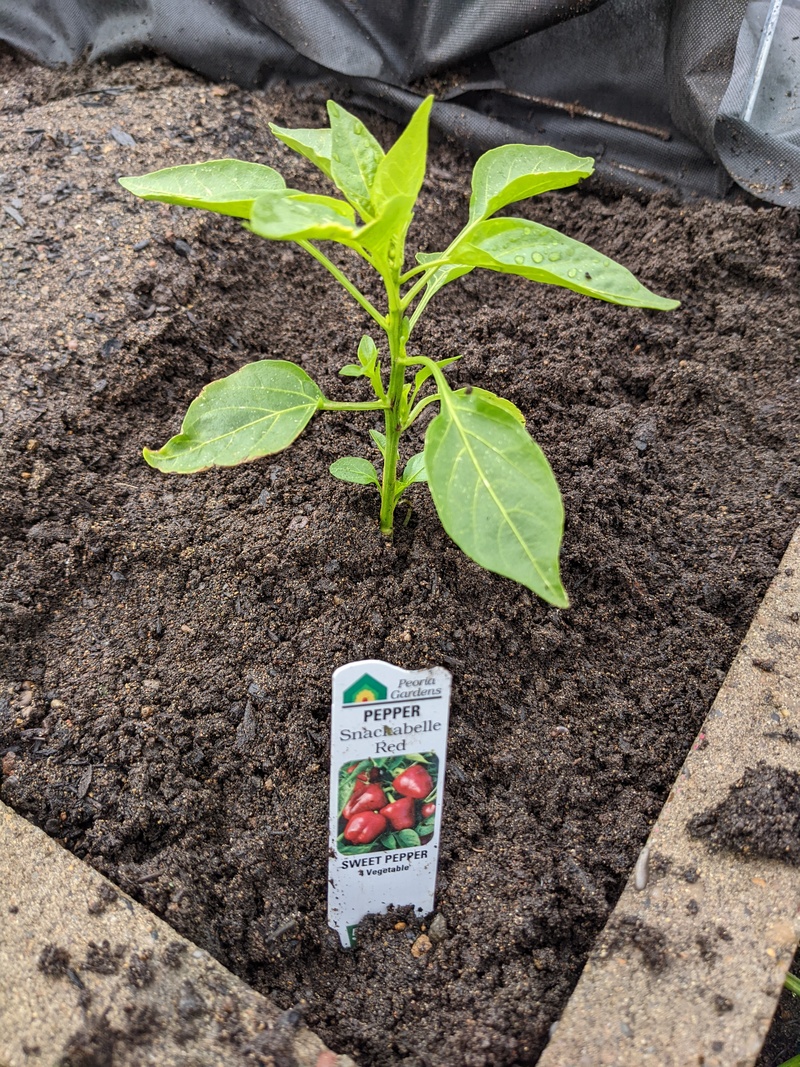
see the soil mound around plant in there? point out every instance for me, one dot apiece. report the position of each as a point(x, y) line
point(168, 642)
point(759, 817)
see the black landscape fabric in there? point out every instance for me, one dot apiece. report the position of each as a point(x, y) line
point(695, 95)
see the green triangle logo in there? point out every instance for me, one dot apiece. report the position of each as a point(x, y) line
point(364, 691)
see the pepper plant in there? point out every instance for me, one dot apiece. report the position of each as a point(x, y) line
point(491, 484)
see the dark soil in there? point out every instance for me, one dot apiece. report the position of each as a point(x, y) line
point(759, 817)
point(168, 642)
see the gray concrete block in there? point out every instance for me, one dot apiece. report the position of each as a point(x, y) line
point(690, 966)
point(88, 976)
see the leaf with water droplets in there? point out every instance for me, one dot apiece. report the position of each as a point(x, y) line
point(516, 171)
point(518, 246)
point(292, 216)
point(355, 155)
point(227, 186)
point(313, 144)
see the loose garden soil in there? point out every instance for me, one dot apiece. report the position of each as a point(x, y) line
point(168, 642)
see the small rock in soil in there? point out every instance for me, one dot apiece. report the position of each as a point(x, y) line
point(437, 931)
point(421, 946)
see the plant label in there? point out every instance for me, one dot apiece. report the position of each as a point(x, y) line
point(388, 749)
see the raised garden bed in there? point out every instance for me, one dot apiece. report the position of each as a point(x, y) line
point(168, 642)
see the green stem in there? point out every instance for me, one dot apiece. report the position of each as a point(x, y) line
point(423, 267)
point(419, 309)
point(354, 405)
point(419, 408)
point(415, 288)
point(394, 397)
point(344, 281)
point(434, 368)
point(792, 983)
point(429, 269)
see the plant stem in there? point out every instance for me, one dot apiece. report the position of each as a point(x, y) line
point(345, 282)
point(419, 284)
point(424, 268)
point(394, 397)
point(793, 984)
point(352, 405)
point(419, 408)
point(434, 368)
point(426, 296)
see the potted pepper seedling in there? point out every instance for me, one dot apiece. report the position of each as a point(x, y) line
point(490, 482)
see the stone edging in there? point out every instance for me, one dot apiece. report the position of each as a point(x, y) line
point(88, 975)
point(692, 961)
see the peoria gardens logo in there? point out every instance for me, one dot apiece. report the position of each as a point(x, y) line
point(368, 690)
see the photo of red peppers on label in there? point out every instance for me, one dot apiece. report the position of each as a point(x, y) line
point(387, 803)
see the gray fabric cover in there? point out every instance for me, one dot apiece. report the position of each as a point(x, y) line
point(654, 89)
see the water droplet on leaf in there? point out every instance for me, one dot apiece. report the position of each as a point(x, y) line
point(519, 259)
point(554, 257)
point(572, 273)
point(537, 257)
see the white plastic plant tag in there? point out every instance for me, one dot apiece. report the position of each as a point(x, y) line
point(388, 749)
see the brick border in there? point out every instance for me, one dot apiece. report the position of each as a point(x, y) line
point(692, 961)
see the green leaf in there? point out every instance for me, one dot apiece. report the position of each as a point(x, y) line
point(501, 401)
point(380, 440)
point(444, 275)
point(517, 246)
point(401, 172)
point(384, 237)
point(293, 216)
point(352, 850)
point(393, 188)
point(414, 471)
point(351, 370)
point(356, 470)
point(228, 186)
point(313, 144)
point(367, 353)
point(355, 155)
point(517, 171)
point(254, 412)
point(417, 757)
point(407, 838)
point(495, 493)
point(424, 373)
point(388, 840)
